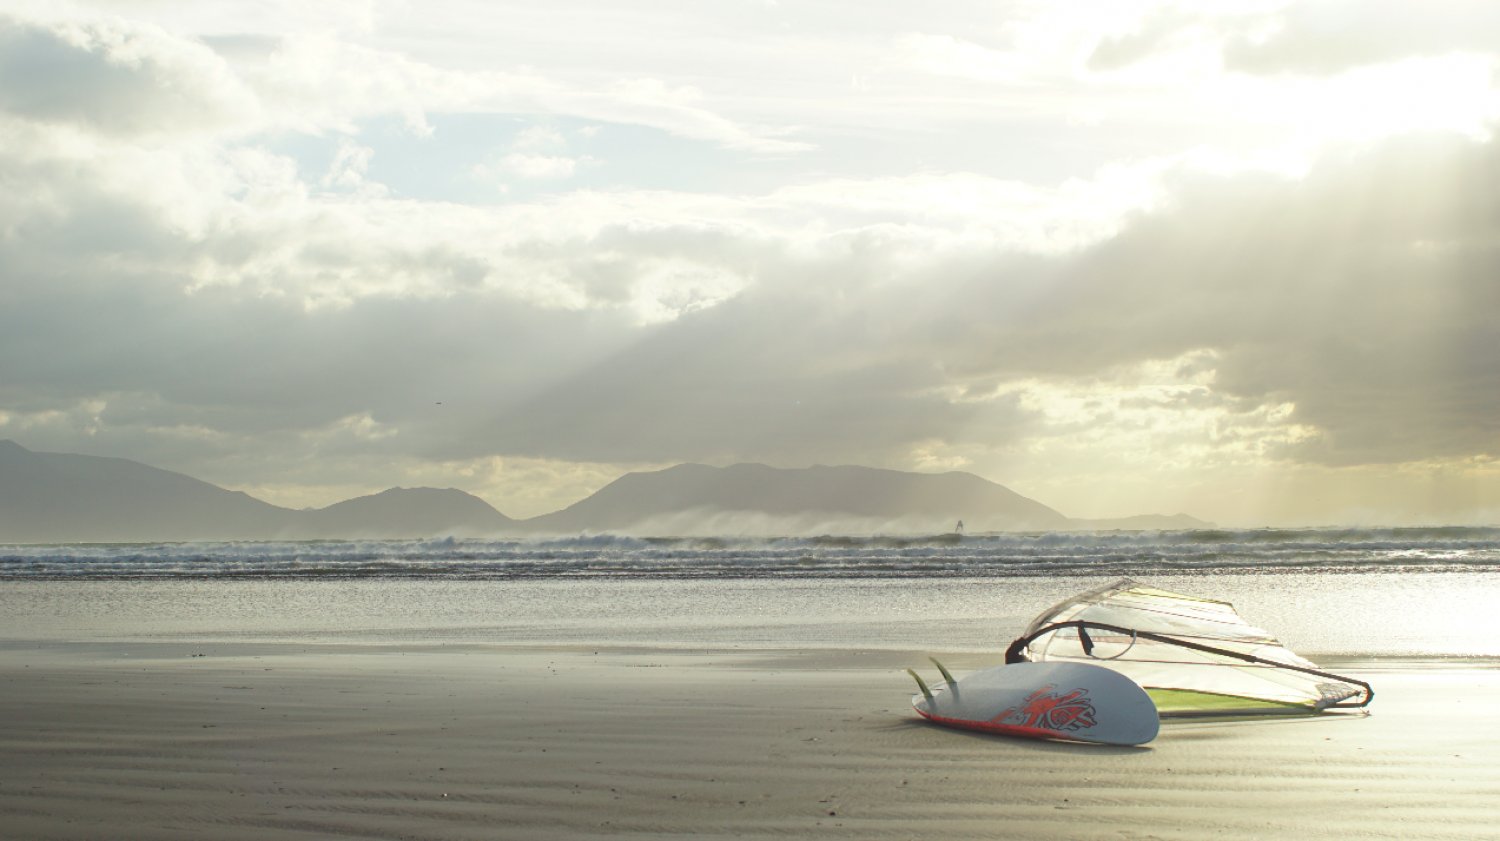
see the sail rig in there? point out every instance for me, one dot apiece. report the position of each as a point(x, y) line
point(1194, 656)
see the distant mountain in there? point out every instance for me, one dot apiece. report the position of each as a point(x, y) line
point(47, 497)
point(1144, 522)
point(56, 497)
point(754, 498)
point(405, 512)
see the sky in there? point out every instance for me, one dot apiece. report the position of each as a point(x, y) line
point(1234, 259)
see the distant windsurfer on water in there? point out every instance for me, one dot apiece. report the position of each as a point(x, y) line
point(959, 529)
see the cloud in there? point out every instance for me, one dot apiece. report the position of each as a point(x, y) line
point(676, 109)
point(320, 82)
point(946, 55)
point(1335, 319)
point(180, 288)
point(1305, 39)
point(539, 166)
point(791, 375)
point(1354, 295)
point(539, 139)
point(1342, 314)
point(537, 153)
point(1164, 30)
point(117, 78)
point(1331, 37)
point(350, 170)
point(131, 78)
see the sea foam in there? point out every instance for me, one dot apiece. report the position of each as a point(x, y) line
point(606, 556)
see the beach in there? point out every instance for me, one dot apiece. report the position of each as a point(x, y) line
point(254, 741)
point(568, 707)
point(528, 421)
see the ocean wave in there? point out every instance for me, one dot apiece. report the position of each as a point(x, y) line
point(829, 556)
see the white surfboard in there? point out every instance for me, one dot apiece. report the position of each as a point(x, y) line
point(1074, 701)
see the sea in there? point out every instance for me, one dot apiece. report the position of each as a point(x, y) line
point(1382, 592)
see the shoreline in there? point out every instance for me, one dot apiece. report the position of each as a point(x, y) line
point(286, 740)
point(102, 650)
point(1321, 616)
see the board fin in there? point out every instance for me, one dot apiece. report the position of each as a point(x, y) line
point(921, 684)
point(952, 684)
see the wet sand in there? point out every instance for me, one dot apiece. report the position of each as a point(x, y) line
point(135, 741)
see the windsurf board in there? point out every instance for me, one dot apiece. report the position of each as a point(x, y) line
point(1074, 701)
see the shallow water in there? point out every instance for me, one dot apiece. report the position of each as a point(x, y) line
point(1373, 613)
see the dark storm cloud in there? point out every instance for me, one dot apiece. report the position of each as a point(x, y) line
point(98, 305)
point(1365, 294)
point(250, 365)
point(782, 374)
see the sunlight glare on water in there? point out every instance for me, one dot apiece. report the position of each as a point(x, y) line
point(1368, 614)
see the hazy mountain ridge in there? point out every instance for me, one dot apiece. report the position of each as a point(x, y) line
point(761, 497)
point(61, 497)
point(46, 497)
point(408, 512)
point(1143, 522)
point(58, 497)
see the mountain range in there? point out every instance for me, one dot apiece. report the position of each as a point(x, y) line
point(61, 497)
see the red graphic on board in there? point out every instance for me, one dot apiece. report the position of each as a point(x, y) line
point(1051, 710)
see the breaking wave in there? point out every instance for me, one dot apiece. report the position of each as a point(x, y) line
point(615, 556)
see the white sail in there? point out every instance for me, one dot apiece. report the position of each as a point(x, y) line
point(1194, 656)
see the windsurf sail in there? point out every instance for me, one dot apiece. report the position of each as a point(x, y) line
point(1194, 656)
